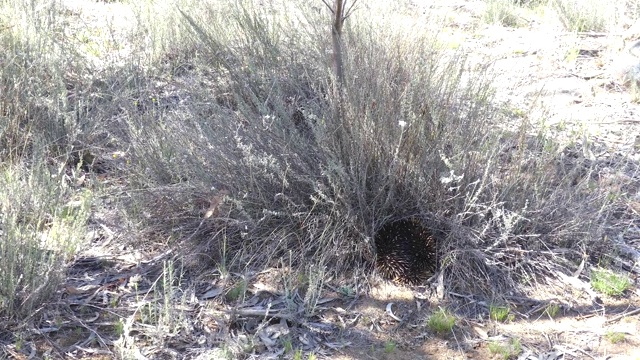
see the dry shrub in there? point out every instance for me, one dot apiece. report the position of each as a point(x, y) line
point(44, 83)
point(43, 211)
point(310, 175)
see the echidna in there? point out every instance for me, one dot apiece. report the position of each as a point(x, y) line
point(303, 126)
point(406, 251)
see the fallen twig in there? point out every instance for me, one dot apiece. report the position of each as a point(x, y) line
point(618, 317)
point(265, 312)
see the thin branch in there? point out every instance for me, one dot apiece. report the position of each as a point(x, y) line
point(349, 10)
point(329, 6)
point(616, 318)
point(261, 313)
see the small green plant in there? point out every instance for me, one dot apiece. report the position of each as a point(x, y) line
point(614, 337)
point(500, 313)
point(609, 283)
point(346, 291)
point(389, 347)
point(312, 356)
point(313, 293)
point(572, 55)
point(19, 343)
point(552, 310)
point(114, 302)
point(511, 349)
point(237, 291)
point(441, 322)
point(521, 113)
point(298, 355)
point(118, 328)
point(288, 345)
point(516, 347)
point(498, 349)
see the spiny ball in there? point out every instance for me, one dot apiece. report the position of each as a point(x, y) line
point(406, 251)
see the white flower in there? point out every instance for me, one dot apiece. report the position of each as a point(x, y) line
point(402, 123)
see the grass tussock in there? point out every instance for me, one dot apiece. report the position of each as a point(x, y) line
point(615, 337)
point(293, 169)
point(500, 313)
point(297, 174)
point(441, 322)
point(585, 16)
point(508, 350)
point(609, 283)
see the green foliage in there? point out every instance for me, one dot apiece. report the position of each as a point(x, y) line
point(118, 328)
point(615, 337)
point(389, 346)
point(609, 283)
point(572, 54)
point(509, 350)
point(237, 291)
point(288, 345)
point(552, 310)
point(347, 291)
point(500, 313)
point(441, 322)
